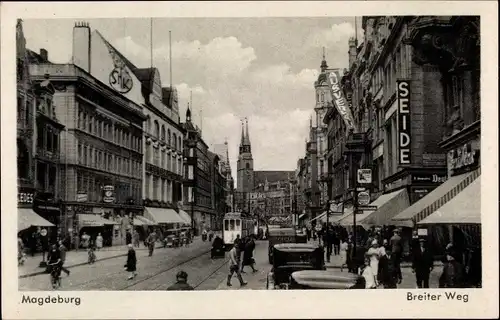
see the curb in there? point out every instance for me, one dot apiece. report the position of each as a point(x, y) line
point(37, 273)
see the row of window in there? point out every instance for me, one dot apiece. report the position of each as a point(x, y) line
point(164, 159)
point(106, 129)
point(106, 161)
point(159, 188)
point(47, 139)
point(173, 140)
point(92, 185)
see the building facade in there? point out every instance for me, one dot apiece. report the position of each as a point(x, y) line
point(25, 124)
point(199, 187)
point(222, 150)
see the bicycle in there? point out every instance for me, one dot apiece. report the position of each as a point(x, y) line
point(55, 274)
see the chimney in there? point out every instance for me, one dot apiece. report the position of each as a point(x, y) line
point(81, 45)
point(353, 44)
point(44, 54)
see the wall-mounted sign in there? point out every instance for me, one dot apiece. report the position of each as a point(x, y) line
point(363, 198)
point(462, 157)
point(81, 197)
point(364, 176)
point(120, 79)
point(108, 194)
point(404, 122)
point(429, 178)
point(25, 197)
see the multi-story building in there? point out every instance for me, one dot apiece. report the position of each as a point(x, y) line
point(222, 150)
point(447, 48)
point(25, 128)
point(323, 104)
point(198, 185)
point(47, 202)
point(300, 188)
point(218, 195)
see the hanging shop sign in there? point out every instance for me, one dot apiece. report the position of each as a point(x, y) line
point(341, 103)
point(462, 157)
point(404, 122)
point(108, 194)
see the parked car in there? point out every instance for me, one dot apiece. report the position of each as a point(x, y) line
point(291, 257)
point(325, 279)
point(280, 235)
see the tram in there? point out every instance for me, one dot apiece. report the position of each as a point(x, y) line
point(235, 224)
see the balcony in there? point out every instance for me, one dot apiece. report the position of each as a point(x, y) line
point(46, 155)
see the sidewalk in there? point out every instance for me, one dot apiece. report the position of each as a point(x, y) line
point(74, 258)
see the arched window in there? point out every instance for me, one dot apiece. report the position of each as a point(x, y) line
point(162, 133)
point(179, 144)
point(168, 137)
point(175, 139)
point(157, 129)
point(247, 166)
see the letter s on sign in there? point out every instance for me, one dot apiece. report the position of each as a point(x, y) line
point(403, 89)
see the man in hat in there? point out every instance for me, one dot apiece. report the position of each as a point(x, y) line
point(387, 270)
point(181, 284)
point(422, 264)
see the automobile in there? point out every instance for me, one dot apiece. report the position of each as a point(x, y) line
point(325, 279)
point(171, 241)
point(291, 257)
point(280, 235)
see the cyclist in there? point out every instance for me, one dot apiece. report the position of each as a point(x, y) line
point(54, 263)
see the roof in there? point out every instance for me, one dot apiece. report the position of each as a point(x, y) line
point(35, 58)
point(272, 176)
point(295, 247)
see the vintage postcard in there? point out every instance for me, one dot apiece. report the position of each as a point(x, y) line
point(274, 159)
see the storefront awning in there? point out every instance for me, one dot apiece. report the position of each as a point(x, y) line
point(464, 208)
point(184, 215)
point(319, 216)
point(162, 216)
point(93, 220)
point(435, 199)
point(335, 218)
point(141, 221)
point(388, 205)
point(27, 218)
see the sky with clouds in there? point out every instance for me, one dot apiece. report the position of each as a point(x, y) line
point(260, 68)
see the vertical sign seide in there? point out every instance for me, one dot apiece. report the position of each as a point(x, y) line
point(404, 122)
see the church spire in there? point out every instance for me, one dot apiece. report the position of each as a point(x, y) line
point(242, 142)
point(188, 114)
point(324, 66)
point(247, 136)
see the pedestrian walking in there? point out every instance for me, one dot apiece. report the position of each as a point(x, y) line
point(248, 259)
point(181, 282)
point(234, 265)
point(343, 255)
point(99, 242)
point(151, 242)
point(422, 264)
point(368, 275)
point(85, 240)
point(374, 254)
point(397, 250)
point(62, 251)
point(336, 243)
point(128, 237)
point(453, 271)
point(387, 270)
point(131, 265)
point(137, 239)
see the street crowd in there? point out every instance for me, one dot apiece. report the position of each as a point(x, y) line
point(378, 256)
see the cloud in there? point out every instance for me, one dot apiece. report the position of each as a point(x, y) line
point(226, 87)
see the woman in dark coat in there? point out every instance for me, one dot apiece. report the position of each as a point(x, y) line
point(131, 265)
point(248, 259)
